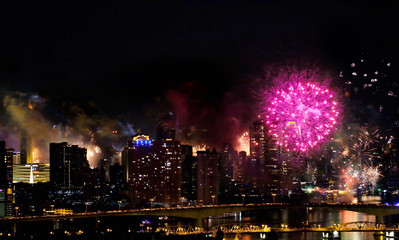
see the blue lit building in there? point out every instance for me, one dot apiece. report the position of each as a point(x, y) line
point(152, 170)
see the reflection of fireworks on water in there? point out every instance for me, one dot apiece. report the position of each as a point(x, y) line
point(300, 113)
point(201, 147)
point(244, 142)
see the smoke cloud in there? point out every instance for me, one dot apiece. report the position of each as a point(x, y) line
point(102, 136)
point(201, 120)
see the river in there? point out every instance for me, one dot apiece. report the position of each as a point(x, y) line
point(296, 218)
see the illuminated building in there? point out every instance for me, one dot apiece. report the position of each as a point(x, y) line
point(95, 187)
point(68, 165)
point(154, 170)
point(189, 173)
point(25, 147)
point(257, 144)
point(207, 177)
point(16, 157)
point(264, 156)
point(31, 173)
point(228, 159)
point(166, 127)
point(242, 171)
point(6, 195)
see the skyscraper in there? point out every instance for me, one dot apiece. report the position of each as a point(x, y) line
point(242, 170)
point(228, 158)
point(265, 157)
point(258, 144)
point(68, 165)
point(6, 196)
point(154, 170)
point(189, 173)
point(25, 147)
point(207, 177)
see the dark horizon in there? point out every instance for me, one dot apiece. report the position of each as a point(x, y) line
point(133, 61)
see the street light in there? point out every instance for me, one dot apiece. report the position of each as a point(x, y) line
point(151, 201)
point(119, 205)
point(243, 196)
point(87, 206)
point(16, 211)
point(213, 199)
point(274, 196)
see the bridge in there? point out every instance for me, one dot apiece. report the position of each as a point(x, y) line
point(199, 213)
point(331, 232)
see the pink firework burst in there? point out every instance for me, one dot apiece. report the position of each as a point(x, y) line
point(300, 112)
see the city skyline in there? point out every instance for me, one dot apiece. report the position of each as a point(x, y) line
point(146, 120)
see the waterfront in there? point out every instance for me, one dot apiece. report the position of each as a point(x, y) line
point(127, 227)
point(297, 218)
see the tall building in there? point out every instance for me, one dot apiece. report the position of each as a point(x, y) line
point(207, 177)
point(242, 170)
point(95, 187)
point(68, 165)
point(154, 170)
point(167, 158)
point(189, 173)
point(25, 147)
point(166, 129)
point(228, 159)
point(265, 155)
point(6, 195)
point(258, 145)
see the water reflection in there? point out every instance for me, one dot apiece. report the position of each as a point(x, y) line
point(308, 236)
point(295, 218)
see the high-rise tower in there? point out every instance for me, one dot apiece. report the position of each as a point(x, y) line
point(6, 196)
point(68, 165)
point(154, 170)
point(207, 175)
point(25, 147)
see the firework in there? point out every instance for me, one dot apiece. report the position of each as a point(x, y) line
point(300, 113)
point(244, 142)
point(93, 151)
point(361, 147)
point(201, 147)
point(371, 175)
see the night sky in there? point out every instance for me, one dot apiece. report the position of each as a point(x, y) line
point(133, 61)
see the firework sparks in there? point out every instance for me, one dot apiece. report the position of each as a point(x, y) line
point(244, 142)
point(371, 175)
point(301, 113)
point(201, 147)
point(93, 152)
point(361, 146)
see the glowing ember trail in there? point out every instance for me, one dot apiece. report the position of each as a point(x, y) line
point(300, 113)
